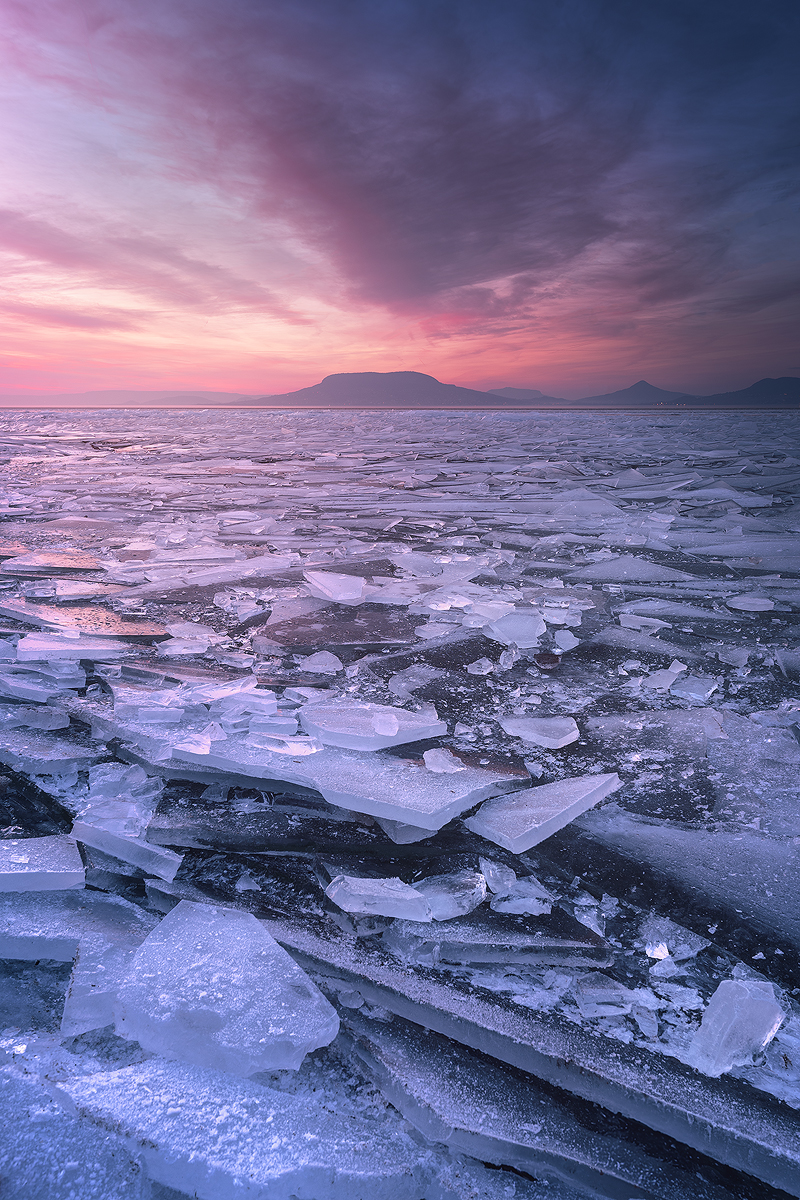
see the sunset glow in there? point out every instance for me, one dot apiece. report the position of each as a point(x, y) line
point(246, 197)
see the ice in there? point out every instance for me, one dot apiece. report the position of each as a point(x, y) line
point(216, 1137)
point(551, 732)
point(210, 986)
point(155, 860)
point(343, 589)
point(46, 1153)
point(360, 726)
point(742, 1018)
point(525, 895)
point(443, 762)
point(99, 932)
point(517, 629)
point(750, 603)
point(523, 819)
point(697, 688)
point(452, 895)
point(465, 522)
point(379, 897)
point(44, 864)
point(323, 662)
point(498, 876)
point(22, 717)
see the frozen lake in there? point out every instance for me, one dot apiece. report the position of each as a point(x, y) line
point(399, 805)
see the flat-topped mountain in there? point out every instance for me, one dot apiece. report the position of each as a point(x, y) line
point(407, 389)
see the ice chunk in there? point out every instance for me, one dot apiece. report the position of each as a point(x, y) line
point(565, 640)
point(598, 995)
point(35, 646)
point(49, 1154)
point(343, 589)
point(481, 666)
point(216, 1137)
point(742, 1018)
point(379, 897)
point(551, 732)
point(154, 860)
point(21, 716)
point(444, 762)
point(695, 687)
point(660, 681)
point(454, 894)
point(523, 819)
point(357, 725)
point(323, 663)
point(525, 895)
point(210, 986)
point(519, 628)
point(750, 603)
point(43, 864)
point(499, 878)
point(103, 932)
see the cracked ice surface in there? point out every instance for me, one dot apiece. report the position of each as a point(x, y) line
point(490, 727)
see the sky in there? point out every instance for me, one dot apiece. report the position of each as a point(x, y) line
point(247, 195)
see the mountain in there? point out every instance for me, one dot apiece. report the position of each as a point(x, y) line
point(769, 393)
point(640, 395)
point(512, 393)
point(393, 389)
point(414, 390)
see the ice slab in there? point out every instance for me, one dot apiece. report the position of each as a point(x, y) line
point(217, 1137)
point(551, 732)
point(210, 986)
point(523, 896)
point(381, 785)
point(519, 628)
point(99, 932)
point(46, 864)
point(89, 620)
point(452, 895)
point(60, 646)
point(379, 897)
point(341, 589)
point(742, 1018)
point(628, 568)
point(468, 1102)
point(48, 1154)
point(485, 937)
point(523, 819)
point(323, 663)
point(362, 726)
point(155, 860)
point(750, 603)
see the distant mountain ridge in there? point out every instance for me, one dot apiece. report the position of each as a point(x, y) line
point(415, 390)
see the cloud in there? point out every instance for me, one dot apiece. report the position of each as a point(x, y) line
point(601, 167)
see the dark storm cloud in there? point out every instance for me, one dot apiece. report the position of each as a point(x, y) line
point(431, 147)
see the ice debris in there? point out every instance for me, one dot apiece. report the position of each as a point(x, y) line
point(210, 986)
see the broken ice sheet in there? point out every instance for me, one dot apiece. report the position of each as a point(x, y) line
point(210, 986)
point(550, 732)
point(379, 897)
point(452, 895)
point(742, 1018)
point(523, 819)
point(362, 726)
point(40, 864)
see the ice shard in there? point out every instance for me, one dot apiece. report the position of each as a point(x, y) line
point(210, 986)
point(523, 819)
